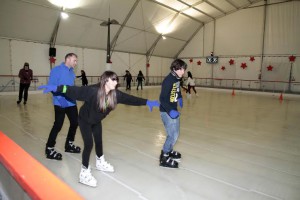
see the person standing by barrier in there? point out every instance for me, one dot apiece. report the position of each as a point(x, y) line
point(25, 75)
point(140, 77)
point(128, 79)
point(63, 74)
point(191, 84)
point(83, 78)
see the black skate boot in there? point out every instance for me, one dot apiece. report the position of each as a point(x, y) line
point(71, 148)
point(175, 155)
point(52, 154)
point(167, 161)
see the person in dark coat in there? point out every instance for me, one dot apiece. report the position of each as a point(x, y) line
point(25, 75)
point(128, 79)
point(83, 78)
point(140, 77)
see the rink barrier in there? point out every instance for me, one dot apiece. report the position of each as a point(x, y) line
point(35, 179)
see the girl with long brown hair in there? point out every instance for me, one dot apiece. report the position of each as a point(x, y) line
point(99, 101)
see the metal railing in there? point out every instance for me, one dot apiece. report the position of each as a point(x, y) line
point(10, 83)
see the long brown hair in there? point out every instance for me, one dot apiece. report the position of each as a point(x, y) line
point(106, 101)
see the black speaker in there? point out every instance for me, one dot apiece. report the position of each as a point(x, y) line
point(52, 52)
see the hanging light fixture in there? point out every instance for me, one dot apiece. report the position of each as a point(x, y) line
point(108, 23)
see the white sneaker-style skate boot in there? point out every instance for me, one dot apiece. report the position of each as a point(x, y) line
point(86, 177)
point(102, 165)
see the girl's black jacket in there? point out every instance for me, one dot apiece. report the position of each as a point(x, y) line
point(90, 111)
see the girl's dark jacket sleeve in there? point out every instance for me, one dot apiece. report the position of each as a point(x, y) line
point(90, 110)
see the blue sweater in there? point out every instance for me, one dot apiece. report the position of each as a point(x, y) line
point(62, 75)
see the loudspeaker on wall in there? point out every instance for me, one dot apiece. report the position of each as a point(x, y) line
point(52, 52)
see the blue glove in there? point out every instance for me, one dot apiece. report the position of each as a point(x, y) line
point(48, 88)
point(152, 104)
point(63, 102)
point(180, 102)
point(174, 114)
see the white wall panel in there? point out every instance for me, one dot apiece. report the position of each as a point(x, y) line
point(94, 62)
point(137, 63)
point(195, 47)
point(240, 33)
point(283, 29)
point(34, 53)
point(5, 63)
point(208, 38)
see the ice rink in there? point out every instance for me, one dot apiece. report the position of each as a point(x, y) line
point(242, 147)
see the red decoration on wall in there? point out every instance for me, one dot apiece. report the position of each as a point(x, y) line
point(148, 65)
point(270, 68)
point(223, 68)
point(231, 61)
point(110, 61)
point(252, 58)
point(191, 60)
point(199, 62)
point(292, 58)
point(52, 60)
point(243, 65)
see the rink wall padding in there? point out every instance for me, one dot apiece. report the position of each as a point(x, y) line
point(35, 179)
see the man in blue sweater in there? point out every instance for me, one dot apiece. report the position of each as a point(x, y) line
point(63, 74)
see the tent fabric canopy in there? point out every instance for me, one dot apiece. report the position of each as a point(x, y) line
point(141, 23)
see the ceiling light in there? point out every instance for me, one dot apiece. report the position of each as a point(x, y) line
point(69, 4)
point(64, 15)
point(163, 37)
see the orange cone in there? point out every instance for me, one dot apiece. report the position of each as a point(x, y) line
point(233, 93)
point(281, 97)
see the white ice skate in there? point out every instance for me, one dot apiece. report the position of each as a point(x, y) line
point(102, 165)
point(86, 177)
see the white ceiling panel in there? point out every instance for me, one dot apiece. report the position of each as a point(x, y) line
point(141, 22)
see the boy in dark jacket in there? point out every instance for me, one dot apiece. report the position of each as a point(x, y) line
point(169, 97)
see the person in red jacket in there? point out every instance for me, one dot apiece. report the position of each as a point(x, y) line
point(25, 75)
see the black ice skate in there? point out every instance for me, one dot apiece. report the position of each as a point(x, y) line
point(52, 154)
point(167, 161)
point(175, 155)
point(71, 148)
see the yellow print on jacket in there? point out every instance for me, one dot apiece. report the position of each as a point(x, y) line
point(174, 92)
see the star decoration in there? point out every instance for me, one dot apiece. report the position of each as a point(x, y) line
point(292, 58)
point(252, 58)
point(270, 68)
point(231, 61)
point(243, 65)
point(52, 59)
point(191, 60)
point(199, 62)
point(223, 68)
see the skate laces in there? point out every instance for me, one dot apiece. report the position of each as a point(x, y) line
point(103, 162)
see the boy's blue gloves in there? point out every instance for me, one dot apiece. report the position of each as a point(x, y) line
point(180, 102)
point(174, 114)
point(48, 88)
point(63, 102)
point(152, 104)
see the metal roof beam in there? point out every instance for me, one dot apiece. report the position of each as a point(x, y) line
point(188, 41)
point(214, 6)
point(114, 41)
point(192, 6)
point(231, 3)
point(170, 8)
